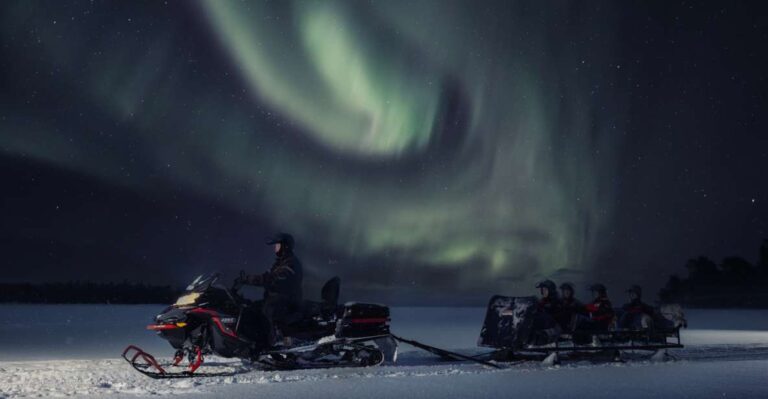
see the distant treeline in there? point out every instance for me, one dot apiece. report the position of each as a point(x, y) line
point(87, 292)
point(734, 282)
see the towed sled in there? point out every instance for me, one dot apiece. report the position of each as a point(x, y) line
point(211, 319)
point(509, 329)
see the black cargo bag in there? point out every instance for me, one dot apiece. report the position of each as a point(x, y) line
point(363, 320)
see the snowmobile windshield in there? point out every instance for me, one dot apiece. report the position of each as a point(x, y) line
point(203, 282)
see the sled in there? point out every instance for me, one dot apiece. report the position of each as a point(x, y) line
point(508, 329)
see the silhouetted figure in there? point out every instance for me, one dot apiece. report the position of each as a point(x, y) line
point(546, 328)
point(282, 284)
point(600, 311)
point(570, 307)
point(636, 314)
point(548, 301)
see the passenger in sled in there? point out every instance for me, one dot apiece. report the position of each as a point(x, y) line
point(597, 317)
point(599, 313)
point(556, 315)
point(571, 307)
point(546, 321)
point(636, 314)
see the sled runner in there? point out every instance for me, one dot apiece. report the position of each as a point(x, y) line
point(509, 329)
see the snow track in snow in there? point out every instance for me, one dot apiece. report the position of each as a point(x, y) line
point(73, 350)
point(110, 377)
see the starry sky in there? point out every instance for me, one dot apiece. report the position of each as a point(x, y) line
point(426, 152)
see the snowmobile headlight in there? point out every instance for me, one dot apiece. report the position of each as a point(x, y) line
point(188, 299)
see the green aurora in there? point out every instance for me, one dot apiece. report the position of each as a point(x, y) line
point(418, 134)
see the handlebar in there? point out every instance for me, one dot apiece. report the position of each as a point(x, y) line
point(239, 281)
point(237, 284)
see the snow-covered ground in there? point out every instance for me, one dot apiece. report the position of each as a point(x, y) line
point(73, 350)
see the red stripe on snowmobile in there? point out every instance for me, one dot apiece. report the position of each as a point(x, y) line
point(160, 327)
point(216, 320)
point(369, 320)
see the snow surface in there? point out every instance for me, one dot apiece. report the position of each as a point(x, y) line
point(73, 350)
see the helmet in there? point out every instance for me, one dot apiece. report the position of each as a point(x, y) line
point(283, 239)
point(636, 289)
point(567, 286)
point(548, 284)
point(599, 288)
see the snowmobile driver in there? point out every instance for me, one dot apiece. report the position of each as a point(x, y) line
point(282, 284)
point(636, 314)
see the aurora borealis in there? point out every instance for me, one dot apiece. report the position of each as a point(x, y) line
point(438, 145)
point(463, 196)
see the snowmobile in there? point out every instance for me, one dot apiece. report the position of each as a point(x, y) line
point(212, 319)
point(508, 328)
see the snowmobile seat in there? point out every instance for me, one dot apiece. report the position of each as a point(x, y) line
point(329, 304)
point(310, 310)
point(330, 293)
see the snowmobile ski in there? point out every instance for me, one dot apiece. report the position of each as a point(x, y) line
point(146, 364)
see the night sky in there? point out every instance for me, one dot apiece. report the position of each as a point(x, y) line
point(424, 151)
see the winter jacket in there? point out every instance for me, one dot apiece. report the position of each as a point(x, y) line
point(601, 310)
point(638, 307)
point(572, 306)
point(550, 305)
point(283, 279)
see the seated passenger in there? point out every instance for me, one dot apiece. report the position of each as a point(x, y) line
point(570, 307)
point(545, 326)
point(548, 302)
point(636, 314)
point(600, 311)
